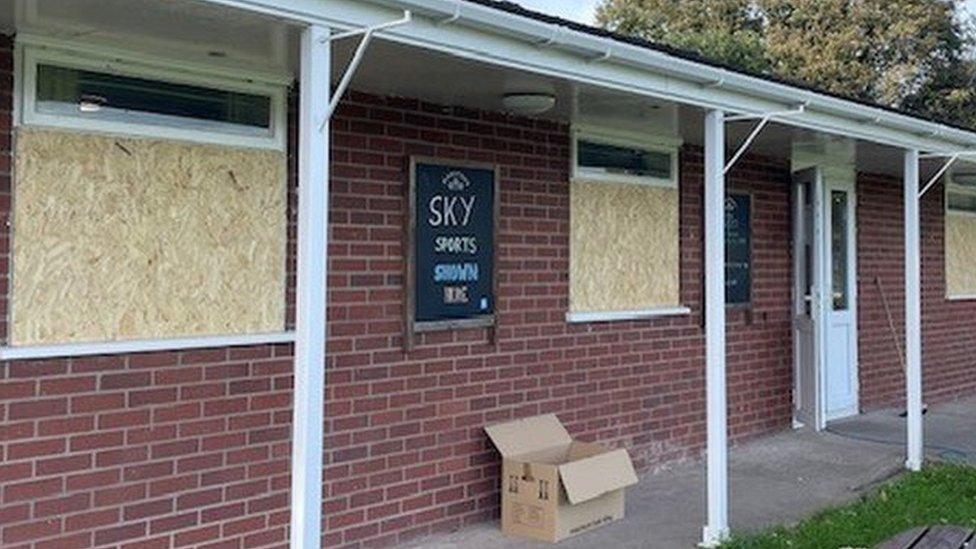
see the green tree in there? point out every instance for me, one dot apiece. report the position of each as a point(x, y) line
point(903, 53)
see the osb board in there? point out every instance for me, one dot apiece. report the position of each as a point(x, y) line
point(117, 239)
point(624, 248)
point(960, 255)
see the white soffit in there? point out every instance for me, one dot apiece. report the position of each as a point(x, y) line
point(403, 71)
point(190, 31)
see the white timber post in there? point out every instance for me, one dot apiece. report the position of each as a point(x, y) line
point(913, 313)
point(313, 207)
point(717, 527)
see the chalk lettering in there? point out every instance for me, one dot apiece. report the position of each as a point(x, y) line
point(436, 218)
point(456, 245)
point(450, 211)
point(456, 272)
point(455, 295)
point(468, 205)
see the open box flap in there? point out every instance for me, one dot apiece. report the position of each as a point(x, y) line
point(591, 477)
point(532, 434)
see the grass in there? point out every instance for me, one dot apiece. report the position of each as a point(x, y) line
point(943, 494)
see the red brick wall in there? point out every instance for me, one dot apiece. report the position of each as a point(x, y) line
point(948, 345)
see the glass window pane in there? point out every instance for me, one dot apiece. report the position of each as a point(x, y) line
point(94, 92)
point(617, 160)
point(961, 202)
point(806, 271)
point(838, 258)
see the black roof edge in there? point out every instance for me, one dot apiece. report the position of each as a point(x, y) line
point(688, 55)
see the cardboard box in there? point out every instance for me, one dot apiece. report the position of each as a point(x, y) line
point(554, 487)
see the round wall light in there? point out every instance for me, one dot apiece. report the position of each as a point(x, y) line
point(91, 103)
point(528, 103)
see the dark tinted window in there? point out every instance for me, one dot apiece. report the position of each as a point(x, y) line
point(93, 91)
point(631, 161)
point(961, 201)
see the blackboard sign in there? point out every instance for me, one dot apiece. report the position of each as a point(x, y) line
point(738, 249)
point(451, 236)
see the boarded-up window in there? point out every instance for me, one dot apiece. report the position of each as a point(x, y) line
point(120, 239)
point(960, 255)
point(960, 235)
point(623, 247)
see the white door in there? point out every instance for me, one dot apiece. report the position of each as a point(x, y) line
point(841, 304)
point(808, 233)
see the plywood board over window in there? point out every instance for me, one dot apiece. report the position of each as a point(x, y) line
point(118, 239)
point(624, 247)
point(960, 256)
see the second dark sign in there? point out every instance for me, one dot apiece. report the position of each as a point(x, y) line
point(738, 249)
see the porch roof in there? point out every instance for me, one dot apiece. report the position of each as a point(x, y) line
point(688, 78)
point(494, 44)
point(517, 9)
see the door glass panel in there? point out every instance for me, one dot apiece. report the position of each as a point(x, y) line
point(839, 251)
point(806, 273)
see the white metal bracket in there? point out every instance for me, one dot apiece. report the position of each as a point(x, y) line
point(551, 41)
point(603, 58)
point(367, 34)
point(953, 158)
point(453, 17)
point(764, 120)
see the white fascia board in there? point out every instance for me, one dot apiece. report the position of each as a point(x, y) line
point(496, 37)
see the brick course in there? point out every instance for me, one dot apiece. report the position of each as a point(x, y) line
point(192, 448)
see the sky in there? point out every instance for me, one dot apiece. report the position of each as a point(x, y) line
point(582, 10)
point(576, 10)
point(970, 6)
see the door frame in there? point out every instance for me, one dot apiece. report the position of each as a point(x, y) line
point(816, 179)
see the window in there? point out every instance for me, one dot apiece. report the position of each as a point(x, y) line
point(161, 189)
point(961, 192)
point(960, 235)
point(624, 229)
point(62, 90)
point(602, 158)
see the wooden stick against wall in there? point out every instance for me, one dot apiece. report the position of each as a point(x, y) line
point(891, 323)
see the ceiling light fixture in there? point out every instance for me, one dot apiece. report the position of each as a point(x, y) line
point(528, 103)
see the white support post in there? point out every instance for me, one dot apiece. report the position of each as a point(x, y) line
point(313, 207)
point(717, 528)
point(913, 313)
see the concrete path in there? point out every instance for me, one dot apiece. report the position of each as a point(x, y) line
point(777, 479)
point(950, 430)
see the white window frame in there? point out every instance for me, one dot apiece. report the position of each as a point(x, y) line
point(950, 187)
point(953, 188)
point(652, 143)
point(31, 55)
